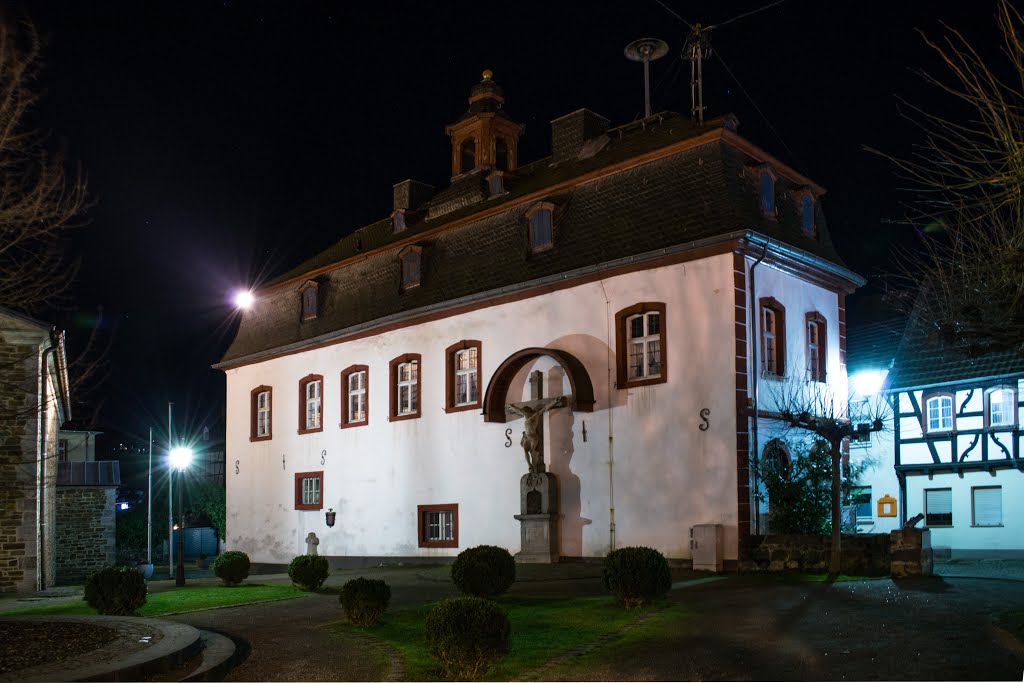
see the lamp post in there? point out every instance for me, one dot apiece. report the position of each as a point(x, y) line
point(181, 458)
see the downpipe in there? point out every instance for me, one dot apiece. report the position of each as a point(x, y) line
point(753, 340)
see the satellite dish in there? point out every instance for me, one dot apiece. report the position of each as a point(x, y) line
point(646, 50)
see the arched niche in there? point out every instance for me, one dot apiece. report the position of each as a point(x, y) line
point(496, 396)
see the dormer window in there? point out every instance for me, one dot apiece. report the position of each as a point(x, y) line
point(541, 226)
point(807, 213)
point(467, 155)
point(767, 186)
point(496, 183)
point(411, 260)
point(310, 304)
point(398, 220)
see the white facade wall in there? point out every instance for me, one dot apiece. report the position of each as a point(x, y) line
point(964, 538)
point(664, 473)
point(644, 451)
point(880, 475)
point(798, 298)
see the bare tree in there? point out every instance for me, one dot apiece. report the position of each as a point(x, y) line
point(39, 200)
point(815, 409)
point(967, 182)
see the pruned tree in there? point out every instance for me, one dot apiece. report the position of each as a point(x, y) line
point(966, 179)
point(814, 409)
point(41, 203)
point(40, 200)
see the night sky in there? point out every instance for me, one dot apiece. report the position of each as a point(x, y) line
point(227, 141)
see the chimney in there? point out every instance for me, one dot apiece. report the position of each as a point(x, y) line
point(411, 194)
point(569, 132)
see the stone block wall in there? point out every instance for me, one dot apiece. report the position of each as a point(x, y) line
point(864, 554)
point(86, 536)
point(18, 448)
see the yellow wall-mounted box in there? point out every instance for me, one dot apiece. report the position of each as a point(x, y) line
point(886, 506)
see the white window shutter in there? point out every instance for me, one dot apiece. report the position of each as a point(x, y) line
point(940, 501)
point(988, 506)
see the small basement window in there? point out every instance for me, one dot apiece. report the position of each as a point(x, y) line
point(438, 525)
point(309, 490)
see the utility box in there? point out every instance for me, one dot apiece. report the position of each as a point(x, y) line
point(706, 547)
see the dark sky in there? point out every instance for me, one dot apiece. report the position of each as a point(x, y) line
point(227, 141)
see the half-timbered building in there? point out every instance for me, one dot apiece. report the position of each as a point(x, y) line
point(959, 448)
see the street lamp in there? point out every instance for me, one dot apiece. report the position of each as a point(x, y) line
point(244, 299)
point(180, 458)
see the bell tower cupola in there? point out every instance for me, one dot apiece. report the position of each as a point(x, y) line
point(484, 137)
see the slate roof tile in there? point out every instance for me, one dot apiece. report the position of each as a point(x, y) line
point(697, 193)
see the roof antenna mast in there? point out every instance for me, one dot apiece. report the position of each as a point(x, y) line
point(646, 50)
point(697, 49)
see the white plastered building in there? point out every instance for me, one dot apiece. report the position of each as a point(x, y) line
point(655, 274)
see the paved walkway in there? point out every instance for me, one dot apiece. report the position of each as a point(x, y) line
point(982, 569)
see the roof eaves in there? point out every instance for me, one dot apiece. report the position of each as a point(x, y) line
point(337, 335)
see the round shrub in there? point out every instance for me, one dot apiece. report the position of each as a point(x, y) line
point(468, 636)
point(231, 567)
point(365, 600)
point(636, 575)
point(116, 590)
point(485, 571)
point(308, 572)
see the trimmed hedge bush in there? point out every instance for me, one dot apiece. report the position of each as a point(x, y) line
point(308, 572)
point(485, 571)
point(468, 636)
point(116, 590)
point(231, 567)
point(636, 575)
point(365, 600)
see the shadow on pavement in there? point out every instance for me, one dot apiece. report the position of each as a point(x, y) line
point(924, 584)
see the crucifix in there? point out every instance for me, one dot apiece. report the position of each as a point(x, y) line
point(533, 432)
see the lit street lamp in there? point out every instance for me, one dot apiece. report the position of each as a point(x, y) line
point(244, 299)
point(180, 459)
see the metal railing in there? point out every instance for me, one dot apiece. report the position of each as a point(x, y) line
point(96, 473)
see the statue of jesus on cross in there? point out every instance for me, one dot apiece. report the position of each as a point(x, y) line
point(532, 441)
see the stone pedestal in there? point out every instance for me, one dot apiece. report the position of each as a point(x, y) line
point(538, 521)
point(911, 552)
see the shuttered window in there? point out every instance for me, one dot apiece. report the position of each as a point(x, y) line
point(987, 505)
point(938, 507)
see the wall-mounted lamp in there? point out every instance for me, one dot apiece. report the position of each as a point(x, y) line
point(330, 514)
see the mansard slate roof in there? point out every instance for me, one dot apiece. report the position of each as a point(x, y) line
point(472, 243)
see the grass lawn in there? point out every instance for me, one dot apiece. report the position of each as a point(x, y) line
point(542, 629)
point(185, 599)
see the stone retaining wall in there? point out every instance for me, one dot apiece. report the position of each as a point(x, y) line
point(864, 554)
point(86, 531)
